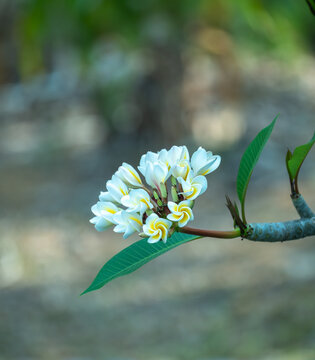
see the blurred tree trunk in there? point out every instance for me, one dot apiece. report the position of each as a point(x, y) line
point(9, 64)
point(158, 97)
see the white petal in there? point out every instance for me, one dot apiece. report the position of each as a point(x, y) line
point(198, 159)
point(94, 220)
point(106, 196)
point(102, 224)
point(135, 221)
point(117, 218)
point(146, 229)
point(202, 181)
point(119, 228)
point(95, 210)
point(185, 184)
point(151, 218)
point(184, 153)
point(172, 206)
point(129, 231)
point(163, 157)
point(126, 201)
point(174, 155)
point(155, 174)
point(129, 175)
point(149, 157)
point(166, 223)
point(187, 203)
point(173, 217)
point(213, 164)
point(187, 187)
point(164, 235)
point(181, 169)
point(183, 221)
point(151, 240)
point(117, 188)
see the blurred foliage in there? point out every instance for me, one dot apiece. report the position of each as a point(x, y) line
point(283, 28)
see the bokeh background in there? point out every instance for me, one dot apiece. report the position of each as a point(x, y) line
point(88, 84)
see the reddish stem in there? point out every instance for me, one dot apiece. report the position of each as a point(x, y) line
point(211, 233)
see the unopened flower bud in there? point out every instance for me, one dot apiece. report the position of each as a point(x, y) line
point(156, 196)
point(149, 212)
point(163, 191)
point(173, 180)
point(174, 194)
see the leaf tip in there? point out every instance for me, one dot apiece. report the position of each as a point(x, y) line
point(89, 289)
point(288, 155)
point(274, 120)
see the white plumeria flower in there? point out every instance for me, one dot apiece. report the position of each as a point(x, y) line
point(127, 223)
point(149, 157)
point(129, 175)
point(138, 200)
point(204, 162)
point(193, 186)
point(168, 157)
point(178, 153)
point(175, 155)
point(164, 158)
point(126, 188)
point(156, 173)
point(181, 169)
point(104, 213)
point(156, 228)
point(116, 188)
point(180, 213)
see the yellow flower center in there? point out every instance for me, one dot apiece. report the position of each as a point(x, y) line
point(135, 176)
point(136, 220)
point(110, 210)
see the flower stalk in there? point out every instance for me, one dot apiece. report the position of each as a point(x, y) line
point(211, 233)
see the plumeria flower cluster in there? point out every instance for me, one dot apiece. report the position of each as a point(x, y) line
point(132, 205)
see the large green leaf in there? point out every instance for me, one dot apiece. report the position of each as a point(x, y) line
point(295, 160)
point(248, 162)
point(311, 5)
point(134, 256)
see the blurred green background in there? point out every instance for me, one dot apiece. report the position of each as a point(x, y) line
point(88, 84)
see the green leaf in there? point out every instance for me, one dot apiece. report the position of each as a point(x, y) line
point(248, 162)
point(287, 158)
point(134, 256)
point(311, 5)
point(296, 159)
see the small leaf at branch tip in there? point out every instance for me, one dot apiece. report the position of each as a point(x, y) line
point(289, 155)
point(248, 162)
point(287, 158)
point(294, 161)
point(238, 223)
